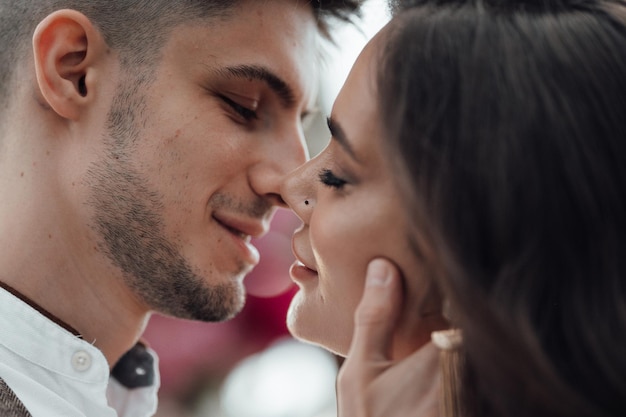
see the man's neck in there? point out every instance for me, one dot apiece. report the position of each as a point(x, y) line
point(48, 260)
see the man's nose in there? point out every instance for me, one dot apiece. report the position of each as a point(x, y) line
point(275, 165)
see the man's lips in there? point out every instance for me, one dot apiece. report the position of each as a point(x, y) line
point(244, 228)
point(235, 232)
point(242, 231)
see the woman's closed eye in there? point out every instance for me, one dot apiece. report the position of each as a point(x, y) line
point(328, 178)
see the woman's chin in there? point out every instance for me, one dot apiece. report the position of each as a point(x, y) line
point(331, 347)
point(304, 330)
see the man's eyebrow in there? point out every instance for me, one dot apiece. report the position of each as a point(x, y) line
point(261, 73)
point(340, 136)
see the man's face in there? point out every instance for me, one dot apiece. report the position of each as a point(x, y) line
point(197, 170)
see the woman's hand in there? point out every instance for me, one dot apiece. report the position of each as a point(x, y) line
point(369, 383)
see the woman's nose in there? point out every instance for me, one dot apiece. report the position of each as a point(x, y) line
point(298, 190)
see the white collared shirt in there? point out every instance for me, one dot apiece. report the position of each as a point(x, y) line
point(55, 373)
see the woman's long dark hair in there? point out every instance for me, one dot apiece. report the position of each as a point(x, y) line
point(508, 119)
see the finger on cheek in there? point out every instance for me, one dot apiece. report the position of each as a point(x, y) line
point(376, 316)
point(381, 297)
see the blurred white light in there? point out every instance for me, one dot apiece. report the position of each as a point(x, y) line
point(289, 379)
point(350, 42)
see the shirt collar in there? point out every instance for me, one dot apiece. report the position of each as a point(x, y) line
point(38, 338)
point(39, 308)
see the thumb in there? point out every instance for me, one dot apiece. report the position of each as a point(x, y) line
point(377, 313)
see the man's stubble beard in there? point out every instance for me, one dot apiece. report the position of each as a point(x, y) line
point(129, 225)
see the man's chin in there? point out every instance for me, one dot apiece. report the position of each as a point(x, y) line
point(212, 304)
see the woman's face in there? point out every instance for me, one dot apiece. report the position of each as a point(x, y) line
point(351, 212)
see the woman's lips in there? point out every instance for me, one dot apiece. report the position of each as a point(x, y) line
point(302, 269)
point(300, 272)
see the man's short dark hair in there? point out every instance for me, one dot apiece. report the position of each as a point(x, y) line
point(134, 28)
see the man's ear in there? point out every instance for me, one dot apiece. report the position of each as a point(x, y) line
point(66, 46)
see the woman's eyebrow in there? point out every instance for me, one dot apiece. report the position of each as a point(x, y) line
point(339, 135)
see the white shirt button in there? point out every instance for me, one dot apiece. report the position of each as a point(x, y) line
point(81, 361)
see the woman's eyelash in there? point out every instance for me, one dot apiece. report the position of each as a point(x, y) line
point(329, 179)
point(244, 112)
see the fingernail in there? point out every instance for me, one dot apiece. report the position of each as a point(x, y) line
point(378, 273)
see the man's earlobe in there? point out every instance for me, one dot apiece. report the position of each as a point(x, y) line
point(65, 46)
